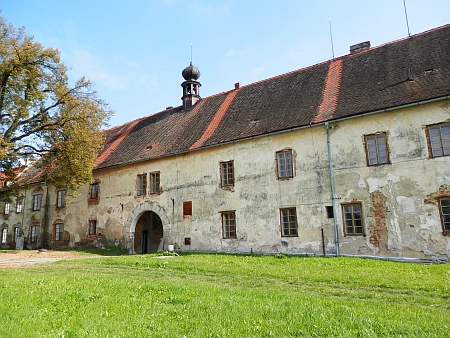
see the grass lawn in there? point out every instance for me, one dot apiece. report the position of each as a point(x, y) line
point(207, 295)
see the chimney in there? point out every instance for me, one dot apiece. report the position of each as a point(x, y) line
point(360, 47)
point(237, 85)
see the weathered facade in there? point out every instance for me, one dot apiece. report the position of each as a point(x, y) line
point(349, 156)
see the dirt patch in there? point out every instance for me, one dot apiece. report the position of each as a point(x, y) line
point(22, 258)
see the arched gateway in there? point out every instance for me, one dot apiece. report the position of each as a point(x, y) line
point(147, 229)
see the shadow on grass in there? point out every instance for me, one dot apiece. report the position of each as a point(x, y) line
point(98, 251)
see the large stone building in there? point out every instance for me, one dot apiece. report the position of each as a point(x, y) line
point(348, 156)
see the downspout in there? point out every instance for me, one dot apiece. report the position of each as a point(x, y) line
point(333, 202)
point(46, 217)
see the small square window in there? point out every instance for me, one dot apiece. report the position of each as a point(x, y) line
point(330, 211)
point(439, 139)
point(34, 233)
point(60, 198)
point(288, 217)
point(37, 200)
point(444, 204)
point(285, 168)
point(4, 235)
point(19, 206)
point(154, 182)
point(227, 174)
point(376, 149)
point(229, 224)
point(59, 231)
point(142, 185)
point(353, 224)
point(92, 227)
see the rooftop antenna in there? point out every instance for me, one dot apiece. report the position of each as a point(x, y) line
point(191, 53)
point(406, 16)
point(331, 36)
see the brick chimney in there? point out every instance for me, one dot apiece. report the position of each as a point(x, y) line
point(359, 47)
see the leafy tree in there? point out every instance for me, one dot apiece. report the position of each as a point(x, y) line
point(42, 117)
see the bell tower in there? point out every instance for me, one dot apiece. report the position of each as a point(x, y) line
point(191, 88)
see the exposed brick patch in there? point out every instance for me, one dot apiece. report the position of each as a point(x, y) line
point(215, 121)
point(330, 93)
point(434, 197)
point(378, 237)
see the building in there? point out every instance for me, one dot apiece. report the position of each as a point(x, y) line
point(348, 156)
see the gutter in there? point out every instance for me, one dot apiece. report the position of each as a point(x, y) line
point(385, 110)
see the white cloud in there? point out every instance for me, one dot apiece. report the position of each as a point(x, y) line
point(83, 63)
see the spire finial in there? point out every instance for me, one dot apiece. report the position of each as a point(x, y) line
point(191, 53)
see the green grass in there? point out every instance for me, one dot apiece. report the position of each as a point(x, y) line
point(200, 295)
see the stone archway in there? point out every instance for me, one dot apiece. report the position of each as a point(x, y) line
point(147, 216)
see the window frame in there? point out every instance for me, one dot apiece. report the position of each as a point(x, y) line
point(58, 231)
point(7, 208)
point(226, 174)
point(34, 233)
point(16, 233)
point(445, 217)
point(228, 224)
point(37, 202)
point(288, 223)
point(19, 205)
point(92, 225)
point(353, 219)
point(94, 191)
point(378, 148)
point(4, 235)
point(61, 198)
point(444, 144)
point(155, 182)
point(141, 184)
point(285, 168)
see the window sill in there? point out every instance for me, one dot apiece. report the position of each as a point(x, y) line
point(446, 233)
point(92, 201)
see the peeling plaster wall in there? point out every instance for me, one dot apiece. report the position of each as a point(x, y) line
point(399, 205)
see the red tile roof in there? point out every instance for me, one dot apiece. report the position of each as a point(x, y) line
point(372, 80)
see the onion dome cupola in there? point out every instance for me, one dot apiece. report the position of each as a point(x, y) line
point(191, 87)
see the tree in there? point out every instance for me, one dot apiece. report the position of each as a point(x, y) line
point(42, 118)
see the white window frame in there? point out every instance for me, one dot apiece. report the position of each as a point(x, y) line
point(285, 164)
point(376, 149)
point(155, 182)
point(37, 202)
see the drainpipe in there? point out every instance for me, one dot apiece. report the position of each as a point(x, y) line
point(333, 202)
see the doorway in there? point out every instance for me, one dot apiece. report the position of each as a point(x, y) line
point(148, 233)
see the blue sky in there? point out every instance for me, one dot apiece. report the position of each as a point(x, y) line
point(134, 50)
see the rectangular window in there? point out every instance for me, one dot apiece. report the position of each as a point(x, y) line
point(187, 208)
point(229, 224)
point(444, 204)
point(4, 235)
point(288, 218)
point(439, 139)
point(59, 229)
point(154, 182)
point(284, 164)
point(92, 227)
point(227, 174)
point(142, 185)
point(330, 211)
point(34, 233)
point(37, 199)
point(93, 191)
point(6, 209)
point(19, 206)
point(376, 149)
point(16, 233)
point(60, 198)
point(352, 219)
